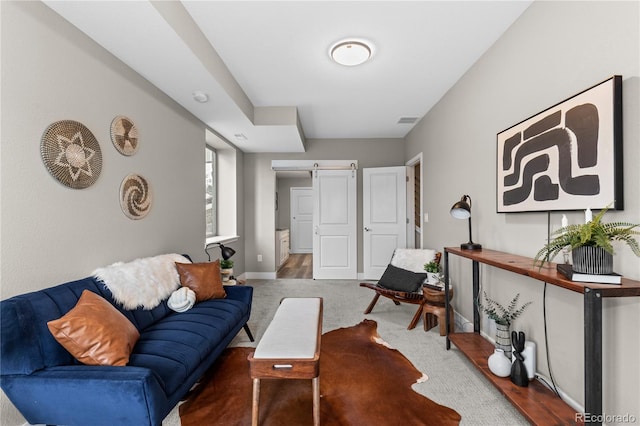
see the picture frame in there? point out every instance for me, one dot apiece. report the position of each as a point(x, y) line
point(567, 157)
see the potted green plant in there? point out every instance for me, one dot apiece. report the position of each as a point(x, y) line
point(503, 318)
point(590, 244)
point(226, 269)
point(433, 269)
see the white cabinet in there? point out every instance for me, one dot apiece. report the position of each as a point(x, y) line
point(282, 247)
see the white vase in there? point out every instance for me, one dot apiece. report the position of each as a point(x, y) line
point(499, 364)
point(226, 274)
point(433, 278)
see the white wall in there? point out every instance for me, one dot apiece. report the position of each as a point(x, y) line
point(555, 50)
point(50, 233)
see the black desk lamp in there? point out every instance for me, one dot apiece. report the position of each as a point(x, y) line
point(462, 210)
point(226, 252)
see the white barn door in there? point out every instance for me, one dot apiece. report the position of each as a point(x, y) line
point(384, 217)
point(335, 252)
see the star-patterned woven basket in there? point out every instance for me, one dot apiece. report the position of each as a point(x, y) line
point(71, 154)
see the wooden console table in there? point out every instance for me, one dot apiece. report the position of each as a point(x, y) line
point(537, 403)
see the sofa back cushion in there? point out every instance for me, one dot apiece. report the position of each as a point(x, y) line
point(27, 344)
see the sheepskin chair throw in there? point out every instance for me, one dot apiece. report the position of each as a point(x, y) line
point(143, 282)
point(412, 259)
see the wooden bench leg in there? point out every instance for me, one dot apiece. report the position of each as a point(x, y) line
point(256, 400)
point(316, 401)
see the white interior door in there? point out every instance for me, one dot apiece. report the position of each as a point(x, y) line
point(301, 220)
point(384, 217)
point(334, 224)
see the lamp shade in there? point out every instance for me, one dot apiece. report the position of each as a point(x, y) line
point(462, 209)
point(226, 252)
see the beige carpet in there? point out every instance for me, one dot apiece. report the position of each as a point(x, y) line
point(453, 382)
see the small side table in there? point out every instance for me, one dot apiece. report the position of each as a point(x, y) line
point(434, 311)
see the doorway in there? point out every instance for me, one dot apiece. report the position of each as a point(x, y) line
point(414, 202)
point(298, 264)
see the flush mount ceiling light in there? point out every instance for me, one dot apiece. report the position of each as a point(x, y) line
point(350, 52)
point(201, 97)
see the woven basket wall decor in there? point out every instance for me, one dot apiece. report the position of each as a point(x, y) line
point(71, 154)
point(124, 135)
point(135, 196)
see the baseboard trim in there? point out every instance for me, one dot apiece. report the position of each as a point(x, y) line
point(259, 275)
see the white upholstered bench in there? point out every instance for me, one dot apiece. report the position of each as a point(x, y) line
point(290, 349)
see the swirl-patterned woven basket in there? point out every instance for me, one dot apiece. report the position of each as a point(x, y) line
point(135, 196)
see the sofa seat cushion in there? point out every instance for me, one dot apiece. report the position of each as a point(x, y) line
point(174, 347)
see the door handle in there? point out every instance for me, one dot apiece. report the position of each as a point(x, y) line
point(367, 229)
point(315, 230)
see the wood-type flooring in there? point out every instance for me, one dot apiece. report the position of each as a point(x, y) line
point(297, 266)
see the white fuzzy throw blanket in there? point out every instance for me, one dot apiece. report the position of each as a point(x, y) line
point(143, 282)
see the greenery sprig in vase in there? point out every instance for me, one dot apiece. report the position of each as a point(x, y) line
point(434, 270)
point(503, 318)
point(594, 233)
point(500, 314)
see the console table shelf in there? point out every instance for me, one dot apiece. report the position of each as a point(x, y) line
point(536, 403)
point(471, 343)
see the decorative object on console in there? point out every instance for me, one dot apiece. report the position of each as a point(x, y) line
point(124, 135)
point(71, 154)
point(567, 271)
point(593, 236)
point(564, 158)
point(503, 318)
point(434, 272)
point(135, 196)
point(499, 364)
point(462, 210)
point(529, 355)
point(519, 374)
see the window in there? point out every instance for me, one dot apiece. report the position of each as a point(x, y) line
point(220, 195)
point(211, 205)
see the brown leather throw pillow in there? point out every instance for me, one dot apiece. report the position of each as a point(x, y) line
point(203, 278)
point(95, 332)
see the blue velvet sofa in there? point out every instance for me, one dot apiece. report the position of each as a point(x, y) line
point(49, 386)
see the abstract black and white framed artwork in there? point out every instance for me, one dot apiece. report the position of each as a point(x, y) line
point(567, 157)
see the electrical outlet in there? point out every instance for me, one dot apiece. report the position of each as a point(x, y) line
point(426, 217)
point(259, 258)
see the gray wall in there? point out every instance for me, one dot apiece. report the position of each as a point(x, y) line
point(50, 233)
point(555, 50)
point(260, 187)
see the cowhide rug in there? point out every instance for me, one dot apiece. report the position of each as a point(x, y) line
point(361, 383)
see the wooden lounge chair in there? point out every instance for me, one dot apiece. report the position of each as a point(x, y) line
point(410, 260)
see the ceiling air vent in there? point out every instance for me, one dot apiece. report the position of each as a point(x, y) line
point(407, 120)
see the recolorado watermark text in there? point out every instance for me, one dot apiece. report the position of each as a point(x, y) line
point(605, 418)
